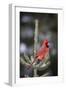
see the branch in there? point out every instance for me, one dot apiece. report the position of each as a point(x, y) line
point(27, 59)
point(44, 75)
point(36, 37)
point(44, 66)
point(22, 61)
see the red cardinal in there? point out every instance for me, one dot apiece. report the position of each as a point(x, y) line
point(42, 52)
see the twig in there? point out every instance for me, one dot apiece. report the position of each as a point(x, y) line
point(44, 66)
point(27, 59)
point(22, 61)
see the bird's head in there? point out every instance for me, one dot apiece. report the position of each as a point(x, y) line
point(45, 43)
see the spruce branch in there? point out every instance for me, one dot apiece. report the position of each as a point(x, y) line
point(27, 59)
point(22, 61)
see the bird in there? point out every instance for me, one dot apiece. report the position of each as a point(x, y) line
point(42, 52)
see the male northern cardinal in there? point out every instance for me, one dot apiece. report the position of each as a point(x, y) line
point(42, 52)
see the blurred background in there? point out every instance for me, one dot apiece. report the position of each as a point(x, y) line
point(47, 29)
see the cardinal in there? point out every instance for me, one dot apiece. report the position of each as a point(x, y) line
point(42, 52)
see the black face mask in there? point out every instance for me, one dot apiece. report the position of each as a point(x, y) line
point(47, 45)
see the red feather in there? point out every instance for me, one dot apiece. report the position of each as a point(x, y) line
point(42, 52)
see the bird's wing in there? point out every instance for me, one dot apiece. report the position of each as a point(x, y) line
point(41, 50)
